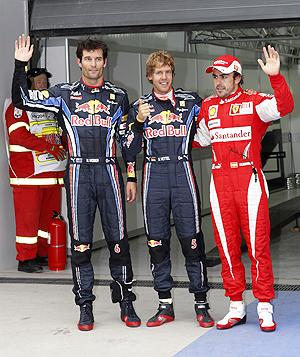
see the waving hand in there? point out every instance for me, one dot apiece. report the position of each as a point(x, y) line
point(23, 49)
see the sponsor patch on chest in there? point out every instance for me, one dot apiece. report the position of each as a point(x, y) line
point(231, 134)
point(213, 111)
point(215, 123)
point(241, 108)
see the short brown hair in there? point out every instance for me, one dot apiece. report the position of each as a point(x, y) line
point(158, 59)
point(90, 45)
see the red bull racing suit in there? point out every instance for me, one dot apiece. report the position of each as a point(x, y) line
point(169, 185)
point(235, 126)
point(92, 119)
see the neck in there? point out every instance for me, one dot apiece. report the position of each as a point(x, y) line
point(98, 82)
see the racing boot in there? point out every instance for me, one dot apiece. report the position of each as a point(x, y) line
point(235, 316)
point(128, 314)
point(164, 314)
point(86, 321)
point(265, 317)
point(203, 317)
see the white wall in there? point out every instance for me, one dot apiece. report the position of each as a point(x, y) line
point(13, 21)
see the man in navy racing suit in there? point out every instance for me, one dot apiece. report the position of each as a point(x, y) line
point(164, 121)
point(91, 112)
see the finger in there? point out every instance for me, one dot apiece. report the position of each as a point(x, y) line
point(31, 50)
point(140, 102)
point(266, 54)
point(260, 62)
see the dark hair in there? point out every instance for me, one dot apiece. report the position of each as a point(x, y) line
point(236, 74)
point(90, 45)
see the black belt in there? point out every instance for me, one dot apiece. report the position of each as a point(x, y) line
point(168, 158)
point(90, 161)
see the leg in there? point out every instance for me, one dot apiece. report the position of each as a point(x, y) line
point(156, 206)
point(27, 203)
point(256, 230)
point(81, 214)
point(185, 203)
point(226, 227)
point(111, 202)
point(51, 201)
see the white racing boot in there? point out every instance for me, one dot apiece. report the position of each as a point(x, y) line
point(265, 317)
point(235, 316)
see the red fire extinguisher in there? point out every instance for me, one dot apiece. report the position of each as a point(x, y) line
point(57, 254)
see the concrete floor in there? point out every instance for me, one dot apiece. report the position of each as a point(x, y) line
point(38, 315)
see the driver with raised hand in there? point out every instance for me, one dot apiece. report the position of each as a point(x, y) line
point(92, 113)
point(234, 123)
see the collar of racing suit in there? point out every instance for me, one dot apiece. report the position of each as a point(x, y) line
point(168, 96)
point(232, 96)
point(88, 88)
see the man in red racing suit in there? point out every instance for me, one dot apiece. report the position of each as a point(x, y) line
point(234, 123)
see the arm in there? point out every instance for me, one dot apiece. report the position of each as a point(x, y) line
point(34, 100)
point(274, 107)
point(18, 131)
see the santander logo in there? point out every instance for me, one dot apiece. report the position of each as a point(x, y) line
point(231, 134)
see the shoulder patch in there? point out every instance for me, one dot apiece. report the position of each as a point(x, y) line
point(111, 87)
point(18, 113)
point(145, 98)
point(183, 94)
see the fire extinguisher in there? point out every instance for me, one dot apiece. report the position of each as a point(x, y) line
point(57, 254)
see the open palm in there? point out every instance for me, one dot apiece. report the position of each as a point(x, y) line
point(23, 49)
point(272, 65)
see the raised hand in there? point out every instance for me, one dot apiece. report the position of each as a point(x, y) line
point(272, 65)
point(23, 49)
point(144, 111)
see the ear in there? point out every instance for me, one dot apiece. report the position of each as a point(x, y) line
point(79, 62)
point(150, 77)
point(237, 79)
point(105, 63)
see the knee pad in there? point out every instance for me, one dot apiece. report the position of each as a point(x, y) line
point(191, 249)
point(119, 253)
point(158, 249)
point(120, 291)
point(81, 253)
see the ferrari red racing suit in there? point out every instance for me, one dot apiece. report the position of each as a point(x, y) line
point(235, 126)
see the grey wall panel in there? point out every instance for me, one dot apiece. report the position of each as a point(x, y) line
point(71, 14)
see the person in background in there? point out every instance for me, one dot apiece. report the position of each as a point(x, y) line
point(234, 123)
point(164, 122)
point(36, 167)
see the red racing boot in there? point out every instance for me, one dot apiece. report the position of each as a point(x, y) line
point(203, 317)
point(86, 321)
point(164, 314)
point(236, 316)
point(265, 317)
point(128, 314)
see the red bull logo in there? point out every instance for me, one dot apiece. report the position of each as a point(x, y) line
point(166, 130)
point(81, 248)
point(154, 243)
point(92, 107)
point(165, 117)
point(91, 120)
